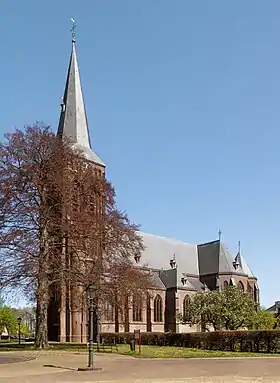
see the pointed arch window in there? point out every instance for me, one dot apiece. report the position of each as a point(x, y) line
point(249, 289)
point(137, 310)
point(186, 304)
point(240, 286)
point(92, 203)
point(225, 284)
point(75, 197)
point(109, 312)
point(158, 309)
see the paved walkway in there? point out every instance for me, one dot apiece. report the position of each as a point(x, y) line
point(125, 369)
point(12, 358)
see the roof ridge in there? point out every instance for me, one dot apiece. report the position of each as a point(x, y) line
point(174, 240)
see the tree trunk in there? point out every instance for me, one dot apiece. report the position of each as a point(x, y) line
point(43, 284)
point(41, 339)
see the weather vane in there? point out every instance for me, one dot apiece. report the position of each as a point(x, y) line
point(73, 29)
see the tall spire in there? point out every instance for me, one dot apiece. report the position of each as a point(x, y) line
point(73, 120)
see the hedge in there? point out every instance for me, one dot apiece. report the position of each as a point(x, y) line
point(244, 341)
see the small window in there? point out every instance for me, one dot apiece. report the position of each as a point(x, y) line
point(158, 309)
point(186, 303)
point(240, 286)
point(109, 312)
point(137, 310)
point(225, 284)
point(91, 203)
point(75, 197)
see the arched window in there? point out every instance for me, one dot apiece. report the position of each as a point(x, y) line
point(109, 312)
point(75, 197)
point(137, 310)
point(249, 289)
point(158, 309)
point(186, 303)
point(225, 284)
point(240, 286)
point(91, 202)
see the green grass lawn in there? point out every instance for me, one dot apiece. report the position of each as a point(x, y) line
point(146, 351)
point(182, 352)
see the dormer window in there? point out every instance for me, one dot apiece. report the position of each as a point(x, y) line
point(184, 280)
point(173, 262)
point(62, 105)
point(235, 264)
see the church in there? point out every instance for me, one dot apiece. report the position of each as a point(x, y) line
point(178, 269)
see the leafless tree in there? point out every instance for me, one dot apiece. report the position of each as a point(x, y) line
point(59, 225)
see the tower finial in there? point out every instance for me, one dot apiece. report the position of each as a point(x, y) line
point(73, 29)
point(220, 234)
point(239, 247)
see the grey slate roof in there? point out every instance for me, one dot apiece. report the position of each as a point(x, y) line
point(225, 260)
point(242, 265)
point(169, 278)
point(275, 308)
point(172, 279)
point(159, 251)
point(195, 283)
point(208, 257)
point(192, 261)
point(73, 120)
point(157, 282)
point(213, 258)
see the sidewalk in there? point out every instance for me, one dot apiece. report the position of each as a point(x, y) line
point(126, 369)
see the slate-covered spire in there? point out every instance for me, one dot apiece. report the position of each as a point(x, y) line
point(241, 264)
point(73, 120)
point(237, 260)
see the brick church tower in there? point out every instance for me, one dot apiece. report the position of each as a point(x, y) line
point(65, 321)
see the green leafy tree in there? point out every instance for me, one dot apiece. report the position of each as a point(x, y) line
point(230, 309)
point(261, 320)
point(7, 320)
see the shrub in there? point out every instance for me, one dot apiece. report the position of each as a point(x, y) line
point(245, 341)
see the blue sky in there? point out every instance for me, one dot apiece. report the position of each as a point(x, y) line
point(183, 101)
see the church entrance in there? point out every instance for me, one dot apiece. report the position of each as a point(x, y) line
point(53, 321)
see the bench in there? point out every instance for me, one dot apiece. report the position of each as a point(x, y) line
point(106, 345)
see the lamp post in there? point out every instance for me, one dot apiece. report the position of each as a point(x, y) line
point(19, 323)
point(91, 298)
point(91, 293)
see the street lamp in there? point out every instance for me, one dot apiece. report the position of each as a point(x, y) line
point(91, 298)
point(19, 323)
point(91, 293)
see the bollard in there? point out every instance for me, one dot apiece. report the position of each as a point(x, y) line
point(132, 345)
